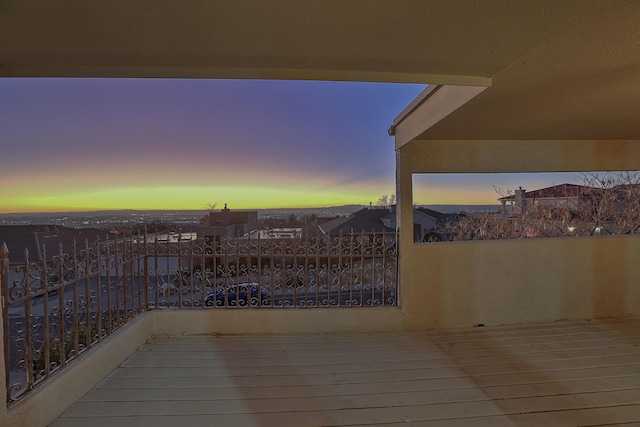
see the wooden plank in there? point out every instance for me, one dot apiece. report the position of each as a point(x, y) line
point(291, 416)
point(187, 352)
point(425, 388)
point(186, 359)
point(309, 360)
point(442, 414)
point(524, 328)
point(197, 379)
point(353, 373)
point(267, 404)
point(461, 398)
point(607, 327)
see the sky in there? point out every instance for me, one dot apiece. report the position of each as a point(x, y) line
point(89, 144)
point(93, 144)
point(485, 188)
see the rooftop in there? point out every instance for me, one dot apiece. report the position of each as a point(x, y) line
point(35, 237)
point(367, 220)
point(556, 191)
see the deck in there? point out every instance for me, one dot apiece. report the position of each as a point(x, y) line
point(559, 374)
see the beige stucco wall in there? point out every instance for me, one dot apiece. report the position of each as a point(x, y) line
point(461, 284)
point(279, 321)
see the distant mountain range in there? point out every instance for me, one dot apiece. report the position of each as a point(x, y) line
point(344, 209)
point(462, 208)
point(266, 212)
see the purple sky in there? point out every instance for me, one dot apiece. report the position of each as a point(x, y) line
point(77, 144)
point(84, 144)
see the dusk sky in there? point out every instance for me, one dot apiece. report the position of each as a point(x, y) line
point(85, 144)
point(89, 144)
point(484, 188)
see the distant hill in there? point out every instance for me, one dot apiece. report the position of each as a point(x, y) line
point(110, 218)
point(333, 210)
point(462, 208)
point(127, 217)
point(324, 211)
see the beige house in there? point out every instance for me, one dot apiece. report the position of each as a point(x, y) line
point(231, 223)
point(564, 196)
point(518, 86)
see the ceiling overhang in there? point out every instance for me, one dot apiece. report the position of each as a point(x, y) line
point(556, 69)
point(432, 105)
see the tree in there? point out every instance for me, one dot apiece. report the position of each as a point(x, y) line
point(386, 200)
point(157, 225)
point(607, 203)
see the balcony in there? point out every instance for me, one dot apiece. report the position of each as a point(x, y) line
point(565, 374)
point(58, 307)
point(554, 88)
point(315, 345)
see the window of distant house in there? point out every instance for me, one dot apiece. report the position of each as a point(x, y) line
point(458, 207)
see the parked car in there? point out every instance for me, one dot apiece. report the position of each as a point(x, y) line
point(237, 295)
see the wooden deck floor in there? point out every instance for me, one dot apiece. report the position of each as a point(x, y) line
point(560, 374)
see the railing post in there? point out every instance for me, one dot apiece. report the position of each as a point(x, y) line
point(4, 327)
point(146, 269)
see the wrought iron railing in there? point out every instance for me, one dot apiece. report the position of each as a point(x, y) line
point(58, 307)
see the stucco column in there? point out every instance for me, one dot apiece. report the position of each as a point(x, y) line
point(404, 221)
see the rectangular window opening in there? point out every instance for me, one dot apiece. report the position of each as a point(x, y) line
point(498, 206)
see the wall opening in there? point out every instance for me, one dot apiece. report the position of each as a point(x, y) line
point(462, 207)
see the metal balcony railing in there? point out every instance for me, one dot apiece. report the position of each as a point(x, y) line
point(56, 309)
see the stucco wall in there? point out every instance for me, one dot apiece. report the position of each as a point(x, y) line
point(279, 321)
point(461, 284)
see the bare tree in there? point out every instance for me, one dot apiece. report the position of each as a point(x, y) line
point(386, 200)
point(614, 206)
point(607, 203)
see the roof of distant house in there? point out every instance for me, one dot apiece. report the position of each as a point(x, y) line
point(34, 238)
point(368, 220)
point(435, 214)
point(556, 191)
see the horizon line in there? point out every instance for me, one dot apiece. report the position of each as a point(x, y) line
point(245, 209)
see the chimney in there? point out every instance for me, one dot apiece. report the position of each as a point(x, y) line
point(520, 199)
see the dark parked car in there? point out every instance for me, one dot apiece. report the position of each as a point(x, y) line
point(237, 295)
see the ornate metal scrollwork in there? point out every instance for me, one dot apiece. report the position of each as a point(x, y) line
point(61, 306)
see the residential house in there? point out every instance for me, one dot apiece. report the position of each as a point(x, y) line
point(591, 210)
point(374, 220)
point(278, 233)
point(226, 222)
point(39, 240)
point(428, 224)
point(562, 196)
